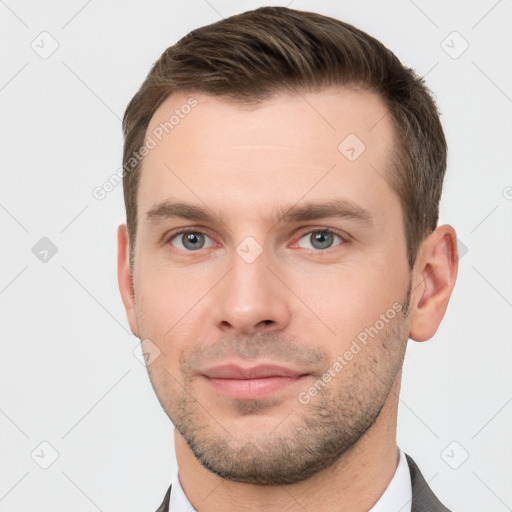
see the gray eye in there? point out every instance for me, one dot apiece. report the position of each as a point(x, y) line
point(191, 241)
point(321, 239)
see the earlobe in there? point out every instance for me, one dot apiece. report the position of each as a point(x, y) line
point(125, 278)
point(434, 276)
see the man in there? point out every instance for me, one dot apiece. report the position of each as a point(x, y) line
point(283, 173)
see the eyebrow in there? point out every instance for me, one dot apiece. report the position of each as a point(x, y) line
point(310, 211)
point(170, 209)
point(338, 208)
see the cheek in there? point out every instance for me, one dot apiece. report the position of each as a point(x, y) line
point(157, 303)
point(170, 306)
point(344, 301)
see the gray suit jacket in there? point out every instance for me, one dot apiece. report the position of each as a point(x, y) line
point(423, 499)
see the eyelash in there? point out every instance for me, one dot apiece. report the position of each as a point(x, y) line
point(344, 238)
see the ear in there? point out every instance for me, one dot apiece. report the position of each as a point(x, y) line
point(434, 275)
point(125, 277)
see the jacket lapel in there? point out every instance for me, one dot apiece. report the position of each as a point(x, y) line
point(423, 499)
point(164, 507)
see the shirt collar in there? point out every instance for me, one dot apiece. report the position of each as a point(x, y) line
point(396, 498)
point(398, 495)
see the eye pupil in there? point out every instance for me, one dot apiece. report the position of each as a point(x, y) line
point(193, 241)
point(321, 239)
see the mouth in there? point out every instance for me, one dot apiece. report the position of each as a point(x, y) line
point(250, 383)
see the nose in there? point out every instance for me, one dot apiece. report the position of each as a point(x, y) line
point(250, 299)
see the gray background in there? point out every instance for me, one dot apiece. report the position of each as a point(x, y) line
point(70, 378)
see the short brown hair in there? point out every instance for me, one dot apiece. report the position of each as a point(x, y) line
point(251, 56)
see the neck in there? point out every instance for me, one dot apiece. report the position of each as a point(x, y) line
point(353, 483)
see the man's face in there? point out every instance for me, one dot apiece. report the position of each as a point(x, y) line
point(294, 260)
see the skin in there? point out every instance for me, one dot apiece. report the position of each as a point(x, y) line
point(295, 304)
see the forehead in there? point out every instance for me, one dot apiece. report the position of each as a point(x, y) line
point(329, 141)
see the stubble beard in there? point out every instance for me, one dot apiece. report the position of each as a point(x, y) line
point(313, 436)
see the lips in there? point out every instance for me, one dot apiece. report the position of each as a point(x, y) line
point(257, 372)
point(249, 383)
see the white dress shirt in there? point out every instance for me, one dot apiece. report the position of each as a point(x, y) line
point(396, 498)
